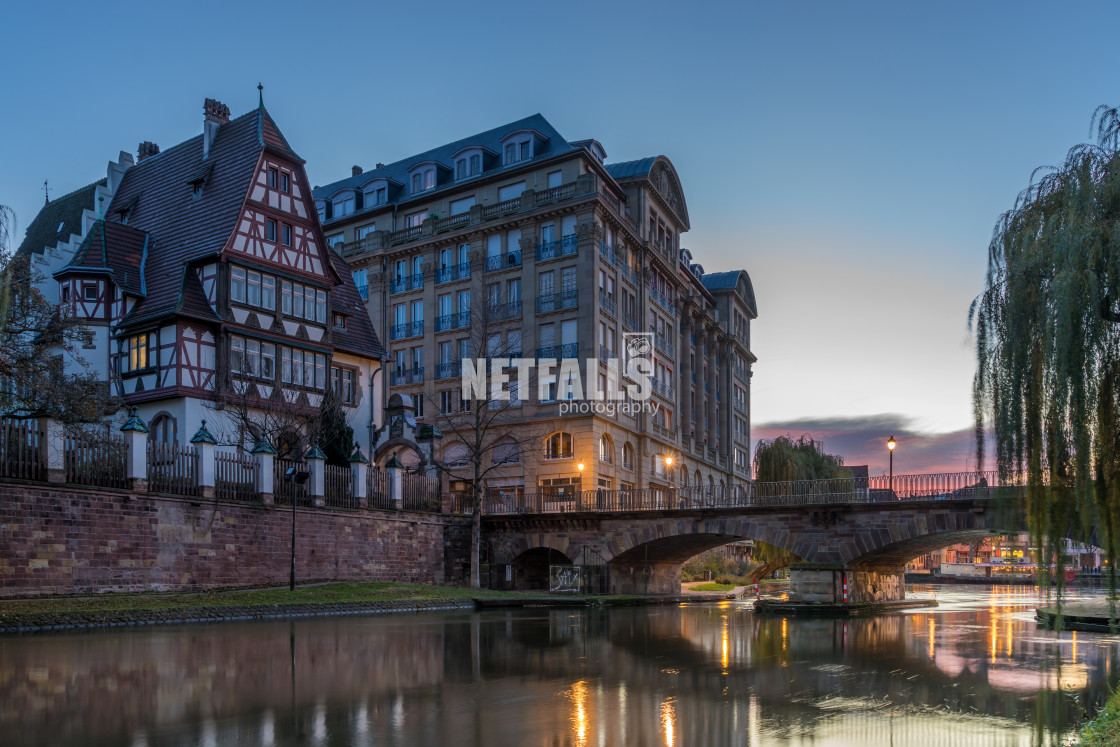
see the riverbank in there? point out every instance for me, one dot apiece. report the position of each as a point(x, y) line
point(1090, 615)
point(313, 600)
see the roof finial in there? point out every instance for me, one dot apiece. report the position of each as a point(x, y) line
point(100, 212)
point(46, 193)
point(260, 91)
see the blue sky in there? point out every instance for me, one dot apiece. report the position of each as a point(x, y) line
point(852, 157)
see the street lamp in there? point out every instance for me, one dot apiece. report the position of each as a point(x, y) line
point(890, 448)
point(669, 477)
point(296, 477)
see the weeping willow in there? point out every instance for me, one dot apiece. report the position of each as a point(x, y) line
point(1048, 348)
point(785, 460)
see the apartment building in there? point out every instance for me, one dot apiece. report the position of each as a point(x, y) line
point(570, 255)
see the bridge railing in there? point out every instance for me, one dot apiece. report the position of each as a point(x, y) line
point(943, 486)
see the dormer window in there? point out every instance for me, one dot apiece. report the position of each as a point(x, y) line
point(521, 150)
point(321, 209)
point(423, 180)
point(342, 204)
point(468, 166)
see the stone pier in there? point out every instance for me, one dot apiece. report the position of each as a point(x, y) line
point(823, 583)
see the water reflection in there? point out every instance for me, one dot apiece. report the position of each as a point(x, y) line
point(686, 675)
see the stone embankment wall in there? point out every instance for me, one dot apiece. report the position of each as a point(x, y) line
point(73, 540)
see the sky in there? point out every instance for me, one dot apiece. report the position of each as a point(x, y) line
point(852, 157)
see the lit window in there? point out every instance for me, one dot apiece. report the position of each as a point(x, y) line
point(137, 352)
point(558, 446)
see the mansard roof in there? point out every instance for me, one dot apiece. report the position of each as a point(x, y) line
point(58, 219)
point(189, 228)
point(631, 169)
point(120, 250)
point(553, 144)
point(662, 177)
point(359, 336)
point(737, 280)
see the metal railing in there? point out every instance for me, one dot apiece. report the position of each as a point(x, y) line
point(96, 458)
point(408, 376)
point(507, 259)
point(419, 492)
point(570, 350)
point(338, 492)
point(234, 477)
point(879, 489)
point(172, 468)
point(407, 283)
point(449, 370)
point(567, 246)
point(664, 344)
point(377, 488)
point(606, 302)
point(568, 299)
point(407, 329)
point(502, 311)
point(453, 272)
point(19, 449)
point(663, 300)
point(458, 320)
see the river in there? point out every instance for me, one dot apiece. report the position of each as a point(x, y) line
point(974, 671)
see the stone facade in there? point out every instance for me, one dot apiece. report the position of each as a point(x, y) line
point(83, 540)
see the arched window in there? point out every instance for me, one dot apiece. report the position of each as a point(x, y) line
point(558, 446)
point(627, 456)
point(699, 480)
point(684, 478)
point(606, 448)
point(506, 452)
point(456, 454)
point(164, 429)
point(722, 487)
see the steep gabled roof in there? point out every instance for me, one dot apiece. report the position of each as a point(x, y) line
point(188, 228)
point(359, 336)
point(58, 219)
point(120, 250)
point(491, 140)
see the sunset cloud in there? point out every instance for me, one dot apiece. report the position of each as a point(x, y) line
point(863, 440)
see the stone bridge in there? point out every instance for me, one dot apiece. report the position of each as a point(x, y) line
point(867, 542)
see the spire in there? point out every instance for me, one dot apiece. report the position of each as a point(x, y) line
point(46, 193)
point(260, 115)
point(260, 93)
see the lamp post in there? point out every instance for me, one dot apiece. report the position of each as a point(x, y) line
point(297, 477)
point(890, 448)
point(669, 477)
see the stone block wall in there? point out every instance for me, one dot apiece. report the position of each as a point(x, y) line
point(73, 540)
point(823, 584)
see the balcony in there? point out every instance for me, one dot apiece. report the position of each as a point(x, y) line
point(741, 407)
point(408, 329)
point(407, 283)
point(363, 291)
point(629, 322)
point(571, 350)
point(661, 387)
point(453, 321)
point(607, 253)
point(500, 312)
point(565, 247)
point(741, 373)
point(568, 299)
point(629, 273)
point(449, 370)
point(663, 301)
point(404, 376)
point(662, 343)
point(453, 272)
point(503, 261)
point(606, 354)
point(606, 302)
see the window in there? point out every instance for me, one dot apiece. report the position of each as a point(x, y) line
point(510, 191)
point(268, 292)
point(286, 234)
point(558, 446)
point(415, 219)
point(163, 428)
point(335, 239)
point(272, 177)
point(423, 180)
point(521, 150)
point(506, 452)
point(375, 196)
point(342, 381)
point(343, 205)
point(458, 207)
point(270, 229)
point(136, 353)
point(89, 292)
point(554, 178)
point(237, 284)
point(446, 401)
point(339, 321)
point(304, 302)
point(66, 294)
point(627, 456)
point(364, 231)
point(606, 449)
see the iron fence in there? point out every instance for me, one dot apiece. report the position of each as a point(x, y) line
point(94, 457)
point(338, 487)
point(377, 488)
point(172, 468)
point(235, 477)
point(419, 493)
point(19, 449)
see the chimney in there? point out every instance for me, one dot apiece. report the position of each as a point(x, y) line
point(145, 150)
point(355, 170)
point(215, 114)
point(379, 166)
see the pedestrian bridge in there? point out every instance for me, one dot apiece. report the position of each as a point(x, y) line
point(861, 531)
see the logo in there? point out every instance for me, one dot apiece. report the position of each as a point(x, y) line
point(638, 344)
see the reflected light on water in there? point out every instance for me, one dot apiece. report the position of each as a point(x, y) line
point(578, 694)
point(668, 719)
point(724, 639)
point(932, 637)
point(268, 728)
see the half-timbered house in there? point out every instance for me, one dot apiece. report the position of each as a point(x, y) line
point(210, 291)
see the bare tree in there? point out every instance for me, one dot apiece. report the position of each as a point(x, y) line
point(42, 373)
point(483, 426)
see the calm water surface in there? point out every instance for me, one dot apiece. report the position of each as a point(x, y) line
point(975, 671)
